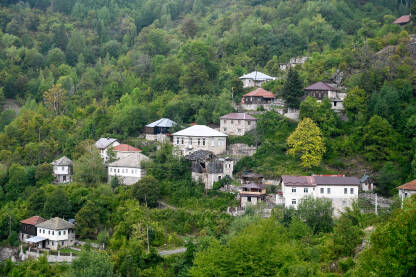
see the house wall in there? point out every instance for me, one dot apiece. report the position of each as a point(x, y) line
point(157, 137)
point(249, 83)
point(126, 175)
point(237, 127)
point(103, 152)
point(228, 168)
point(404, 193)
point(217, 145)
point(244, 201)
point(63, 179)
point(61, 170)
point(340, 199)
point(57, 238)
point(207, 179)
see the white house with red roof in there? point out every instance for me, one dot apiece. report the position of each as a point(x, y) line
point(407, 190)
point(255, 79)
point(341, 190)
point(237, 124)
point(123, 150)
point(323, 90)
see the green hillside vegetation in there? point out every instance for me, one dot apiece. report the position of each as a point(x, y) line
point(81, 70)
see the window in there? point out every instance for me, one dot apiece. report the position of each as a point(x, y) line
point(177, 140)
point(322, 190)
point(344, 203)
point(249, 199)
point(199, 141)
point(62, 168)
point(232, 121)
point(293, 201)
point(62, 243)
point(305, 190)
point(225, 129)
point(52, 243)
point(328, 190)
point(203, 141)
point(335, 103)
point(239, 130)
point(49, 232)
point(182, 140)
point(190, 141)
point(53, 233)
point(59, 233)
point(248, 122)
point(293, 189)
point(345, 191)
point(118, 170)
point(64, 232)
point(352, 190)
point(219, 178)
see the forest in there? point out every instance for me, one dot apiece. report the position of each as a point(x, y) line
point(73, 71)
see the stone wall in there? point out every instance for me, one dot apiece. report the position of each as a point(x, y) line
point(240, 150)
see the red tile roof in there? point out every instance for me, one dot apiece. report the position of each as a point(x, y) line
point(126, 147)
point(238, 116)
point(409, 186)
point(260, 93)
point(33, 220)
point(402, 19)
point(321, 86)
point(311, 181)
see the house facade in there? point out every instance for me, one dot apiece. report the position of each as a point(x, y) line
point(53, 234)
point(258, 98)
point(63, 170)
point(252, 194)
point(128, 170)
point(103, 144)
point(255, 79)
point(367, 183)
point(341, 190)
point(199, 137)
point(323, 90)
point(407, 190)
point(250, 177)
point(159, 130)
point(123, 150)
point(237, 124)
point(207, 168)
point(28, 227)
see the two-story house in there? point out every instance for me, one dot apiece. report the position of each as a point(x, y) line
point(128, 170)
point(159, 130)
point(199, 137)
point(207, 168)
point(323, 90)
point(407, 189)
point(28, 227)
point(237, 124)
point(123, 150)
point(62, 170)
point(257, 98)
point(255, 79)
point(103, 144)
point(341, 190)
point(252, 194)
point(53, 234)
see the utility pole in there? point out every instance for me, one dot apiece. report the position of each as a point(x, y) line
point(376, 205)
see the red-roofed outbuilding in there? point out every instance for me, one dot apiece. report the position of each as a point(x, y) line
point(403, 20)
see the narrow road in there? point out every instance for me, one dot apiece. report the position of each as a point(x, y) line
point(172, 251)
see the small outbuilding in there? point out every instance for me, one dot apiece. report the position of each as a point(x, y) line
point(159, 130)
point(63, 170)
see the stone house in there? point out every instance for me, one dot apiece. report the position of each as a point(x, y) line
point(341, 190)
point(123, 150)
point(258, 98)
point(62, 170)
point(252, 194)
point(323, 90)
point(129, 169)
point(199, 137)
point(407, 190)
point(53, 234)
point(255, 79)
point(103, 144)
point(207, 168)
point(159, 130)
point(237, 124)
point(28, 227)
point(367, 183)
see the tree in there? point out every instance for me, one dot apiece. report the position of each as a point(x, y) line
point(15, 184)
point(347, 236)
point(91, 264)
point(56, 57)
point(317, 213)
point(293, 89)
point(307, 143)
point(89, 168)
point(88, 220)
point(147, 191)
point(57, 204)
point(43, 173)
point(355, 104)
point(189, 28)
point(55, 98)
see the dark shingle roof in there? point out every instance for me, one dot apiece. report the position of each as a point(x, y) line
point(62, 161)
point(200, 155)
point(55, 223)
point(238, 116)
point(321, 86)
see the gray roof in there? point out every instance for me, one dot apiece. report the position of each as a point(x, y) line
point(55, 223)
point(311, 181)
point(62, 161)
point(199, 131)
point(103, 143)
point(163, 122)
point(238, 116)
point(364, 178)
point(258, 76)
point(133, 160)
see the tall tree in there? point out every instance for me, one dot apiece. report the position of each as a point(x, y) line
point(293, 89)
point(55, 98)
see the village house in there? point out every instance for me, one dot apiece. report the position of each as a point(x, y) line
point(62, 170)
point(123, 150)
point(207, 168)
point(250, 177)
point(237, 124)
point(407, 190)
point(252, 194)
point(53, 234)
point(255, 79)
point(199, 137)
point(103, 144)
point(258, 98)
point(293, 62)
point(128, 170)
point(367, 183)
point(28, 227)
point(341, 190)
point(159, 130)
point(403, 20)
point(323, 90)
